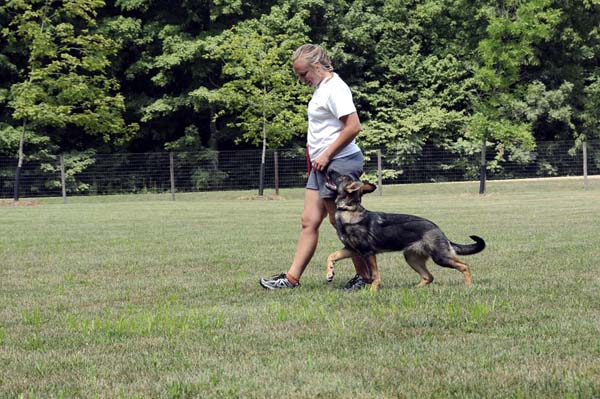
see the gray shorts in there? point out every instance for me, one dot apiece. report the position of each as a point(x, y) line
point(351, 165)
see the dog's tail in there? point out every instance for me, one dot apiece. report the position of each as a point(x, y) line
point(469, 249)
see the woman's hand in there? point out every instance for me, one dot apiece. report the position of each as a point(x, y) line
point(349, 132)
point(320, 164)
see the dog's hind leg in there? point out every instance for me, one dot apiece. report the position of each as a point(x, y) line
point(464, 269)
point(343, 253)
point(453, 262)
point(418, 262)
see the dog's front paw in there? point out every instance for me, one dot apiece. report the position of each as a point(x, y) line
point(330, 274)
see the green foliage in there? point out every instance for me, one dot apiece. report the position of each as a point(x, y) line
point(75, 162)
point(40, 145)
point(64, 84)
point(217, 73)
point(260, 88)
point(203, 179)
point(571, 57)
point(590, 117)
point(9, 139)
point(514, 28)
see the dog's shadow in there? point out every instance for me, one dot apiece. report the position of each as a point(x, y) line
point(411, 285)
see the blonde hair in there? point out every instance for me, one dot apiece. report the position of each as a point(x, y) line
point(313, 54)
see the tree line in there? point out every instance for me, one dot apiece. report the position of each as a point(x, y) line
point(79, 77)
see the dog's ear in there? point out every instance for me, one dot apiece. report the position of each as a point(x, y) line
point(368, 187)
point(354, 186)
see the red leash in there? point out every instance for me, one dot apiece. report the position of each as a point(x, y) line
point(308, 164)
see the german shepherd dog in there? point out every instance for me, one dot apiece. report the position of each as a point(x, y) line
point(367, 233)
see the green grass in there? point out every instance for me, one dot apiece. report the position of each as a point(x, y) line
point(139, 296)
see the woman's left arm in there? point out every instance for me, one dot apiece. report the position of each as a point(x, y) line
point(349, 132)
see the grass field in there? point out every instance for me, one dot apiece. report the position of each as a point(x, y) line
point(139, 296)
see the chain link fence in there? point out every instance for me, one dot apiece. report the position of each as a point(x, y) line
point(88, 173)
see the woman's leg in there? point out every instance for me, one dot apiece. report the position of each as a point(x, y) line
point(313, 214)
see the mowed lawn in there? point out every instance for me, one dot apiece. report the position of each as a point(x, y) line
point(140, 296)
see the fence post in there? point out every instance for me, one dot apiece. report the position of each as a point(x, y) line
point(482, 169)
point(276, 161)
point(62, 178)
point(585, 166)
point(172, 174)
point(379, 173)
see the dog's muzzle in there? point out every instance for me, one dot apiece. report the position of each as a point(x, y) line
point(330, 185)
point(330, 179)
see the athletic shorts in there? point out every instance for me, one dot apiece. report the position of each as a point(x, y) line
point(351, 165)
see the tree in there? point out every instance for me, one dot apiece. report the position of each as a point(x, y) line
point(65, 92)
point(167, 78)
point(409, 66)
point(514, 27)
point(454, 75)
point(572, 56)
point(261, 92)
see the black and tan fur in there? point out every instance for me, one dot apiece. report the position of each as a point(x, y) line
point(367, 233)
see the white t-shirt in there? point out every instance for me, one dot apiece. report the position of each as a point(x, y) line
point(330, 101)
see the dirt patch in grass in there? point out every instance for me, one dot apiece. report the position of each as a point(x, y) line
point(19, 203)
point(477, 196)
point(270, 197)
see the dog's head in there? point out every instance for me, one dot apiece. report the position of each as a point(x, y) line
point(349, 191)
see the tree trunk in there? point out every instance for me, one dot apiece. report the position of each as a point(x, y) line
point(19, 163)
point(22, 138)
point(482, 168)
point(261, 185)
point(212, 140)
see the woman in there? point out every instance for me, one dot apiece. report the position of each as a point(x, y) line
point(333, 124)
